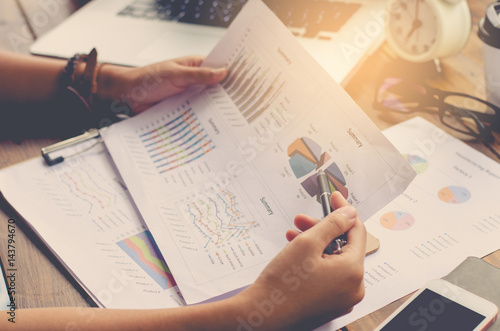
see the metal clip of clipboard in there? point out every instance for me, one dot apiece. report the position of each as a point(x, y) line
point(46, 151)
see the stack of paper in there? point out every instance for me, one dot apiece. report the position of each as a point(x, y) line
point(217, 175)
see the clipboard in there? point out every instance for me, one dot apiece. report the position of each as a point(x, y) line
point(87, 136)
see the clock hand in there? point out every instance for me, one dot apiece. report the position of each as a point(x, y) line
point(417, 23)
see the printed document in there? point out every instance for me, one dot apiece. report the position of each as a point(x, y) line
point(82, 211)
point(219, 173)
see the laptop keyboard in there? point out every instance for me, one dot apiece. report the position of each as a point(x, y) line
point(305, 18)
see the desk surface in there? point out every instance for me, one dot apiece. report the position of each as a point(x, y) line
point(42, 282)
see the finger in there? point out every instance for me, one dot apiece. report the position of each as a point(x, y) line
point(337, 200)
point(356, 236)
point(356, 240)
point(292, 234)
point(333, 225)
point(193, 75)
point(305, 222)
point(191, 61)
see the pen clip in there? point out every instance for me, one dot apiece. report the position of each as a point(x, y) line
point(90, 134)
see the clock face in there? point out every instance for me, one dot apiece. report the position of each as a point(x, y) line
point(413, 25)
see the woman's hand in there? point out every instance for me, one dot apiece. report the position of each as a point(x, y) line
point(140, 88)
point(302, 287)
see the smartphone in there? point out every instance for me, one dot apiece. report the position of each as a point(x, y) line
point(439, 306)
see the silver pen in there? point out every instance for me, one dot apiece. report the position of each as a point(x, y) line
point(335, 247)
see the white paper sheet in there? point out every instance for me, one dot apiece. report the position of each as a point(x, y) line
point(449, 212)
point(81, 209)
point(219, 173)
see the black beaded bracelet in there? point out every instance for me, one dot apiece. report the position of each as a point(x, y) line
point(69, 70)
point(80, 90)
point(81, 84)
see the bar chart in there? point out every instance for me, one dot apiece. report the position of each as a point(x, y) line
point(253, 87)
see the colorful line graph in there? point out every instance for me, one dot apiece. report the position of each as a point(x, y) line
point(217, 219)
point(180, 140)
point(306, 157)
point(252, 88)
point(81, 183)
point(143, 250)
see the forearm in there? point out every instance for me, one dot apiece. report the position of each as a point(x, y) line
point(214, 316)
point(30, 79)
point(25, 79)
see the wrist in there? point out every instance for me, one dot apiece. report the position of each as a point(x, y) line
point(262, 308)
point(218, 316)
point(108, 82)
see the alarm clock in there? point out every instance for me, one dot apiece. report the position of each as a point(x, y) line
point(425, 30)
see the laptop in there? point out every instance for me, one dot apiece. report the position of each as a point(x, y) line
point(338, 34)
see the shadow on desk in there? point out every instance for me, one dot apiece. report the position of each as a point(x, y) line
point(59, 119)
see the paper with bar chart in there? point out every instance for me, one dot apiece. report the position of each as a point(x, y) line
point(82, 211)
point(219, 172)
point(254, 87)
point(448, 213)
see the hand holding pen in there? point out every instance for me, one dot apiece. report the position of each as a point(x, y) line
point(335, 247)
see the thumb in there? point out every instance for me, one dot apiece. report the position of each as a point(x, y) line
point(333, 225)
point(196, 75)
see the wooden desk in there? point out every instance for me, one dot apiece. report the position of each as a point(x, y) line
point(42, 282)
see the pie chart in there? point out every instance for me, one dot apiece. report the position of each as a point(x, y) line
point(306, 158)
point(419, 164)
point(454, 194)
point(397, 220)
